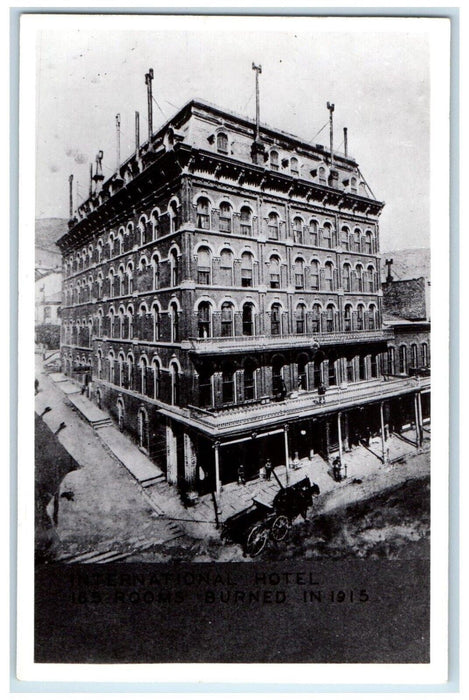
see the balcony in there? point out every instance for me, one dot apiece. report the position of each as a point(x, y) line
point(242, 343)
point(228, 421)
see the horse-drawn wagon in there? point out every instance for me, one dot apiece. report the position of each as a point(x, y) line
point(253, 526)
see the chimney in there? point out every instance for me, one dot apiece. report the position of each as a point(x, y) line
point(389, 277)
point(331, 108)
point(345, 141)
point(257, 148)
point(137, 133)
point(148, 82)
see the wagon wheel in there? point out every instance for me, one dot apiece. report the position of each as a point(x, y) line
point(280, 527)
point(256, 541)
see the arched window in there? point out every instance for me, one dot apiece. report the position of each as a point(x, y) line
point(299, 273)
point(122, 285)
point(100, 364)
point(359, 274)
point(203, 320)
point(174, 313)
point(314, 274)
point(249, 380)
point(273, 160)
point(328, 276)
point(204, 266)
point(368, 242)
point(348, 317)
point(175, 384)
point(275, 272)
point(155, 222)
point(330, 318)
point(226, 267)
point(276, 319)
point(300, 317)
point(143, 375)
point(121, 370)
point(120, 241)
point(228, 392)
point(360, 317)
point(313, 231)
point(391, 361)
point(371, 317)
point(174, 264)
point(356, 240)
point(112, 279)
point(346, 277)
point(130, 278)
point(156, 379)
point(327, 235)
point(402, 359)
point(424, 354)
point(248, 318)
point(227, 319)
point(246, 221)
point(294, 167)
point(203, 213)
point(173, 217)
point(155, 263)
point(370, 278)
point(272, 225)
point(298, 230)
point(111, 368)
point(246, 269)
point(316, 319)
point(156, 323)
point(345, 237)
point(143, 429)
point(322, 175)
point(222, 143)
point(225, 221)
point(142, 228)
point(414, 357)
point(353, 185)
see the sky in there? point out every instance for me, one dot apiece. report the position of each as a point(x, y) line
point(378, 81)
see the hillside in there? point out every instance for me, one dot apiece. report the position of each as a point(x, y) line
point(48, 231)
point(408, 263)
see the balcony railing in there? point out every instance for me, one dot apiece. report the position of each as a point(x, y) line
point(306, 403)
point(242, 342)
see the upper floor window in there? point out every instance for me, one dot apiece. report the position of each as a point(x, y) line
point(273, 225)
point(298, 230)
point(156, 271)
point(203, 266)
point(225, 217)
point(274, 160)
point(414, 355)
point(299, 273)
point(372, 317)
point(316, 319)
point(314, 274)
point(226, 267)
point(356, 240)
point(360, 317)
point(246, 269)
point(174, 264)
point(203, 320)
point(322, 175)
point(330, 311)
point(370, 278)
point(346, 277)
point(402, 359)
point(174, 313)
point(327, 235)
point(246, 221)
point(222, 143)
point(348, 317)
point(368, 242)
point(359, 273)
point(424, 354)
point(227, 319)
point(275, 319)
point(155, 222)
point(203, 213)
point(300, 318)
point(313, 232)
point(274, 272)
point(328, 276)
point(248, 319)
point(294, 167)
point(345, 233)
point(173, 217)
point(353, 185)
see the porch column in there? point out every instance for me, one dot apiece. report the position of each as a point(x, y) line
point(346, 433)
point(216, 446)
point(171, 454)
point(418, 419)
point(190, 461)
point(287, 456)
point(339, 434)
point(383, 433)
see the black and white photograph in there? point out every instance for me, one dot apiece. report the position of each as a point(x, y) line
point(233, 235)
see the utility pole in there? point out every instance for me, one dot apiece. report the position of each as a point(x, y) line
point(345, 141)
point(258, 70)
point(331, 107)
point(137, 132)
point(70, 187)
point(118, 141)
point(148, 82)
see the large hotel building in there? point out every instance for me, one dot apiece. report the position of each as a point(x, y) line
point(223, 273)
